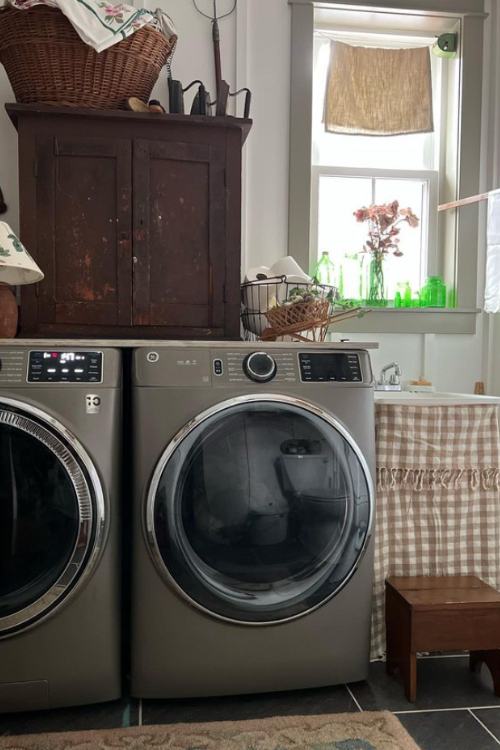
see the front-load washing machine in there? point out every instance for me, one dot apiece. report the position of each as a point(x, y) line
point(252, 551)
point(60, 435)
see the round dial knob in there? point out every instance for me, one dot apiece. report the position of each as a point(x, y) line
point(260, 367)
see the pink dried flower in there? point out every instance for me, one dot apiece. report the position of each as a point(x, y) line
point(383, 228)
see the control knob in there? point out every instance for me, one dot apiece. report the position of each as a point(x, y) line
point(259, 367)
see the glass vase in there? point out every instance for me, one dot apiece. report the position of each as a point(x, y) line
point(376, 286)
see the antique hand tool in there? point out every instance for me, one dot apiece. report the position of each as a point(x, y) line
point(215, 18)
point(176, 96)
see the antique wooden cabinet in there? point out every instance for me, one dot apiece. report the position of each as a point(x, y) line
point(135, 219)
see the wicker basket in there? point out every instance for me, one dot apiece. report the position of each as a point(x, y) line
point(309, 313)
point(47, 62)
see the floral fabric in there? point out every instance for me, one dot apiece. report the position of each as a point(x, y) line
point(99, 23)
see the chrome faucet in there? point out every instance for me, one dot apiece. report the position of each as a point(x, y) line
point(394, 382)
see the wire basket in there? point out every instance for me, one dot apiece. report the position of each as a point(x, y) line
point(265, 317)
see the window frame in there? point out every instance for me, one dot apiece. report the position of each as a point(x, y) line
point(430, 227)
point(461, 261)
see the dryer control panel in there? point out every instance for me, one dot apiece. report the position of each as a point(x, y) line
point(252, 364)
point(50, 366)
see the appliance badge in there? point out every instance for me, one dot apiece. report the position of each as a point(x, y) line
point(152, 357)
point(92, 403)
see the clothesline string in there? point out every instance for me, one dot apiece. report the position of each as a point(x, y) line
point(467, 201)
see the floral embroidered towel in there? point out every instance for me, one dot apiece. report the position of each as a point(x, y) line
point(101, 24)
point(374, 91)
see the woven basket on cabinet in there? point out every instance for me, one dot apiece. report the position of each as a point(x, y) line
point(47, 62)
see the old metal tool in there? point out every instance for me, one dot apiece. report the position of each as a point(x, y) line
point(201, 103)
point(222, 87)
point(215, 18)
point(224, 94)
point(176, 95)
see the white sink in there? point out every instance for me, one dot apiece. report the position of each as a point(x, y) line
point(409, 398)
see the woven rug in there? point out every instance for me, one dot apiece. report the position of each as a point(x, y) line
point(350, 731)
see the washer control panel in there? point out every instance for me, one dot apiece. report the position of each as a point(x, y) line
point(49, 366)
point(261, 367)
point(322, 367)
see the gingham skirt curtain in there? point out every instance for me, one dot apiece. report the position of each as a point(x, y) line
point(438, 497)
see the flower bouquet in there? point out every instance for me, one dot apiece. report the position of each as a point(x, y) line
point(384, 227)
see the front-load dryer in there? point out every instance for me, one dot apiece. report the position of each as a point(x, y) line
point(60, 435)
point(252, 550)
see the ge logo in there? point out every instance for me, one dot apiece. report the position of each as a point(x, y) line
point(92, 403)
point(153, 357)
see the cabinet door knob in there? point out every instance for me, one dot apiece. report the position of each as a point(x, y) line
point(134, 259)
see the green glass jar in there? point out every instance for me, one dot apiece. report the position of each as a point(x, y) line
point(435, 292)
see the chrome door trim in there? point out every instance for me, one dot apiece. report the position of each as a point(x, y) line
point(91, 506)
point(148, 515)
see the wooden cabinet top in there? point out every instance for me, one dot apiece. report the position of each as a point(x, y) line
point(15, 111)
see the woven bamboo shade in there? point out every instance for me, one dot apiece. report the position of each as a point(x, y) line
point(373, 91)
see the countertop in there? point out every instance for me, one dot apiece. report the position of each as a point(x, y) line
point(408, 398)
point(152, 343)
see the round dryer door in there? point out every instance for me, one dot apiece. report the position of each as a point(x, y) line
point(51, 515)
point(260, 509)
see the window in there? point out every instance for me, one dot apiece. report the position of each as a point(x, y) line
point(353, 171)
point(332, 175)
point(339, 194)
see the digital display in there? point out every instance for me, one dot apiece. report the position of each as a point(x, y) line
point(65, 367)
point(340, 367)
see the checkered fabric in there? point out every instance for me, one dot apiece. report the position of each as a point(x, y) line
point(438, 497)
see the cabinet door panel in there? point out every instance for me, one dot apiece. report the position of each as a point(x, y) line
point(84, 230)
point(179, 234)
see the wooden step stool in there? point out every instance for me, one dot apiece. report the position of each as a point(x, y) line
point(441, 613)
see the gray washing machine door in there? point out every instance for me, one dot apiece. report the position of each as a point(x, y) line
point(51, 515)
point(260, 509)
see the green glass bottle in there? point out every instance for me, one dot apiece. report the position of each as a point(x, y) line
point(407, 295)
point(436, 292)
point(324, 271)
point(341, 289)
point(423, 295)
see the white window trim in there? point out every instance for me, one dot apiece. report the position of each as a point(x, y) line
point(430, 224)
point(470, 15)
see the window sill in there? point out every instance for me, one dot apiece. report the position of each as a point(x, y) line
point(412, 320)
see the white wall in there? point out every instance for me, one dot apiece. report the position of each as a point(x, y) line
point(255, 48)
point(193, 57)
point(8, 155)
point(256, 53)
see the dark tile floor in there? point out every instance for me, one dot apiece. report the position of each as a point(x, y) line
point(455, 710)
